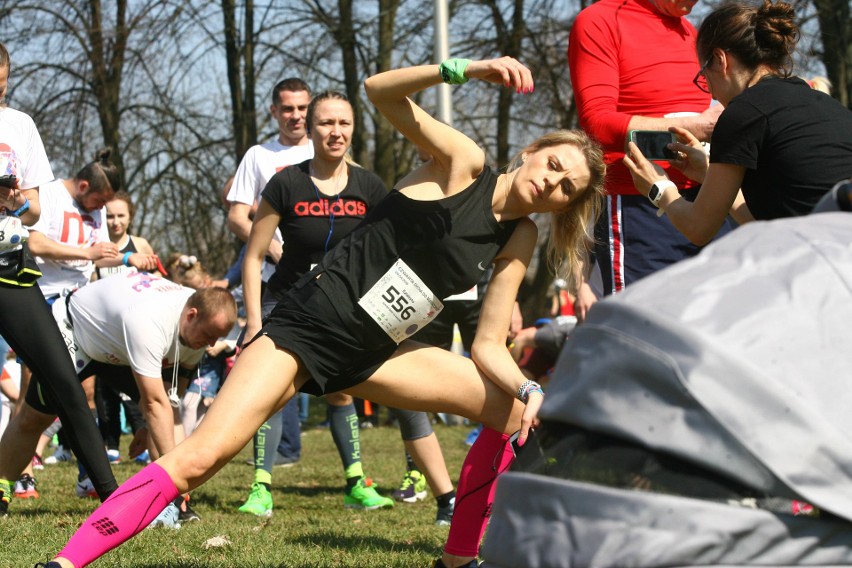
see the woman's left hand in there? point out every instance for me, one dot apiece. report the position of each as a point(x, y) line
point(143, 262)
point(530, 416)
point(644, 173)
point(506, 71)
point(692, 157)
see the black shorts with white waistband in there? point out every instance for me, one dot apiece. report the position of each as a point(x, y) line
point(306, 323)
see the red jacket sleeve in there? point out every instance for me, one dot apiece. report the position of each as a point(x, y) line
point(593, 53)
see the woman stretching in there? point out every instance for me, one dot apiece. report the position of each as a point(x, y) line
point(343, 326)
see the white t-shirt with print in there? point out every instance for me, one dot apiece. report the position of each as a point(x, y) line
point(64, 221)
point(132, 320)
point(22, 151)
point(257, 167)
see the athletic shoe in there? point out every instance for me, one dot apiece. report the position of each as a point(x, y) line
point(114, 456)
point(363, 495)
point(445, 514)
point(472, 436)
point(60, 455)
point(168, 518)
point(5, 495)
point(412, 489)
point(187, 514)
point(25, 487)
point(259, 501)
point(37, 463)
point(144, 458)
point(85, 488)
point(440, 564)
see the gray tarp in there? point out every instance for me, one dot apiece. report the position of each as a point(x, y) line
point(737, 362)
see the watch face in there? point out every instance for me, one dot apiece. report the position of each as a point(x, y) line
point(654, 192)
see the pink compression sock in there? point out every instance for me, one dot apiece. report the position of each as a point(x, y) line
point(127, 512)
point(489, 456)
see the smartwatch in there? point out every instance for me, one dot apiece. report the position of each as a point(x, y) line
point(658, 188)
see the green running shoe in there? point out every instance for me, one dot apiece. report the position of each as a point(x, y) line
point(5, 496)
point(412, 489)
point(364, 496)
point(259, 501)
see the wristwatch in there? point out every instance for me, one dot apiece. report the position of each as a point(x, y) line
point(658, 188)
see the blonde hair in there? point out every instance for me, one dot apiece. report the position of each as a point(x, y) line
point(571, 229)
point(821, 84)
point(187, 270)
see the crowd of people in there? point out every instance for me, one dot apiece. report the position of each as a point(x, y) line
point(351, 290)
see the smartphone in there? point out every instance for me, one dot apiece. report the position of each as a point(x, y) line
point(8, 181)
point(513, 440)
point(652, 143)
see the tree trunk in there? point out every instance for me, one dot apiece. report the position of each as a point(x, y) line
point(836, 32)
point(106, 76)
point(240, 72)
point(384, 163)
point(509, 42)
point(345, 35)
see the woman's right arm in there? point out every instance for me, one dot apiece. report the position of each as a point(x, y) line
point(262, 229)
point(452, 150)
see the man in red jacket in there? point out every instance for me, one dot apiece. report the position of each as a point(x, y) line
point(632, 65)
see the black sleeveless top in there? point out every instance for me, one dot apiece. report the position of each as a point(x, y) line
point(448, 243)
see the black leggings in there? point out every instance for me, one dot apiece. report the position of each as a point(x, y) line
point(108, 399)
point(27, 323)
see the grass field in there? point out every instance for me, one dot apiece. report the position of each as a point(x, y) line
point(309, 528)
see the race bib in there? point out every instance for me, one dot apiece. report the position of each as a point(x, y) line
point(400, 302)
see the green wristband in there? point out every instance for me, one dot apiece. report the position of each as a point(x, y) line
point(452, 71)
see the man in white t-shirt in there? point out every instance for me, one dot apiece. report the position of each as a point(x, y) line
point(290, 99)
point(289, 108)
point(127, 329)
point(71, 234)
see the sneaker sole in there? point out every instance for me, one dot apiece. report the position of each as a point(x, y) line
point(367, 507)
point(415, 498)
point(175, 526)
point(265, 515)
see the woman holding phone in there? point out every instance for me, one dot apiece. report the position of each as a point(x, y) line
point(784, 143)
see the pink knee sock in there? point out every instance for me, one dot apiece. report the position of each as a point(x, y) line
point(127, 512)
point(489, 456)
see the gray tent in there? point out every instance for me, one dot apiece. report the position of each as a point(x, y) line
point(703, 417)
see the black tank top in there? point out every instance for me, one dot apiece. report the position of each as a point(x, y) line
point(448, 243)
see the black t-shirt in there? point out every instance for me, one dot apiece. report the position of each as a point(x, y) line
point(794, 142)
point(311, 222)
